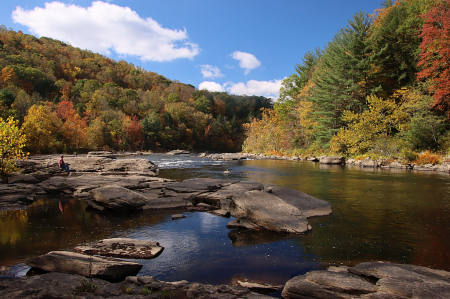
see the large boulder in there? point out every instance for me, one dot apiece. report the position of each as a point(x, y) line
point(310, 206)
point(371, 280)
point(123, 248)
point(269, 212)
point(332, 160)
point(86, 265)
point(117, 198)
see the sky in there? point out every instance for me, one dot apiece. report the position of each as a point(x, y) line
point(243, 47)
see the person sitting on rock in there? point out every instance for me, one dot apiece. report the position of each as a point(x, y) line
point(63, 165)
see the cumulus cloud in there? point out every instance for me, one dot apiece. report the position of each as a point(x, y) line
point(209, 71)
point(268, 89)
point(104, 27)
point(247, 61)
point(211, 86)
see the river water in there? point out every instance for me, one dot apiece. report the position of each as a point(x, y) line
point(389, 215)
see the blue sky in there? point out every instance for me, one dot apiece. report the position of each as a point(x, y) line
point(242, 47)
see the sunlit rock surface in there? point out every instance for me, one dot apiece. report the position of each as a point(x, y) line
point(86, 265)
point(371, 280)
point(123, 248)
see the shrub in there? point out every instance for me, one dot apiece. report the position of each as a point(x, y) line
point(428, 158)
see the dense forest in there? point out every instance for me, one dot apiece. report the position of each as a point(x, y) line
point(380, 88)
point(69, 100)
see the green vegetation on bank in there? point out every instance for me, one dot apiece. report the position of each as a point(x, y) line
point(380, 88)
point(66, 99)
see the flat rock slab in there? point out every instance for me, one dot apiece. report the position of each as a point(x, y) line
point(311, 206)
point(123, 248)
point(117, 198)
point(269, 212)
point(200, 184)
point(88, 182)
point(89, 266)
point(371, 280)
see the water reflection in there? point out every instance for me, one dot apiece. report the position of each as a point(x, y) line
point(392, 215)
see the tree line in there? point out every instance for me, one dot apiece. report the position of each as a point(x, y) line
point(380, 88)
point(65, 99)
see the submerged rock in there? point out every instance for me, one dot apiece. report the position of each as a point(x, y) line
point(269, 212)
point(86, 265)
point(123, 248)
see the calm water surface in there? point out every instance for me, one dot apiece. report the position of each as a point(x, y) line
point(397, 216)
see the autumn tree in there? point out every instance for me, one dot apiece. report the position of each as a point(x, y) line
point(12, 142)
point(265, 135)
point(41, 126)
point(368, 129)
point(132, 129)
point(435, 54)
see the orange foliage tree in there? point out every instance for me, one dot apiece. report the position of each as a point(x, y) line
point(435, 54)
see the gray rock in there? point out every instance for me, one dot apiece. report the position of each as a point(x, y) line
point(326, 284)
point(102, 154)
point(269, 212)
point(312, 159)
point(242, 223)
point(310, 206)
point(181, 201)
point(369, 163)
point(332, 160)
point(178, 216)
point(23, 178)
point(62, 285)
point(117, 198)
point(123, 248)
point(371, 280)
point(221, 213)
point(87, 182)
point(89, 266)
point(224, 196)
point(200, 184)
point(178, 152)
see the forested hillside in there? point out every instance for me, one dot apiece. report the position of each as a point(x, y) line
point(66, 99)
point(381, 88)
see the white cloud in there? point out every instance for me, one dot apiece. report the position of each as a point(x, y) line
point(247, 61)
point(210, 71)
point(103, 27)
point(268, 89)
point(211, 86)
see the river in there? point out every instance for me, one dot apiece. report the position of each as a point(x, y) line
point(389, 215)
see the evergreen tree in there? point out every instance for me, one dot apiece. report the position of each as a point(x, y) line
point(343, 77)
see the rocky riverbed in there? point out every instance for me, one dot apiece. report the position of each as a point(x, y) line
point(133, 184)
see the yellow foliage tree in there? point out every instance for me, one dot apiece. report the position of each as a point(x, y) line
point(266, 135)
point(12, 141)
point(381, 120)
point(40, 126)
